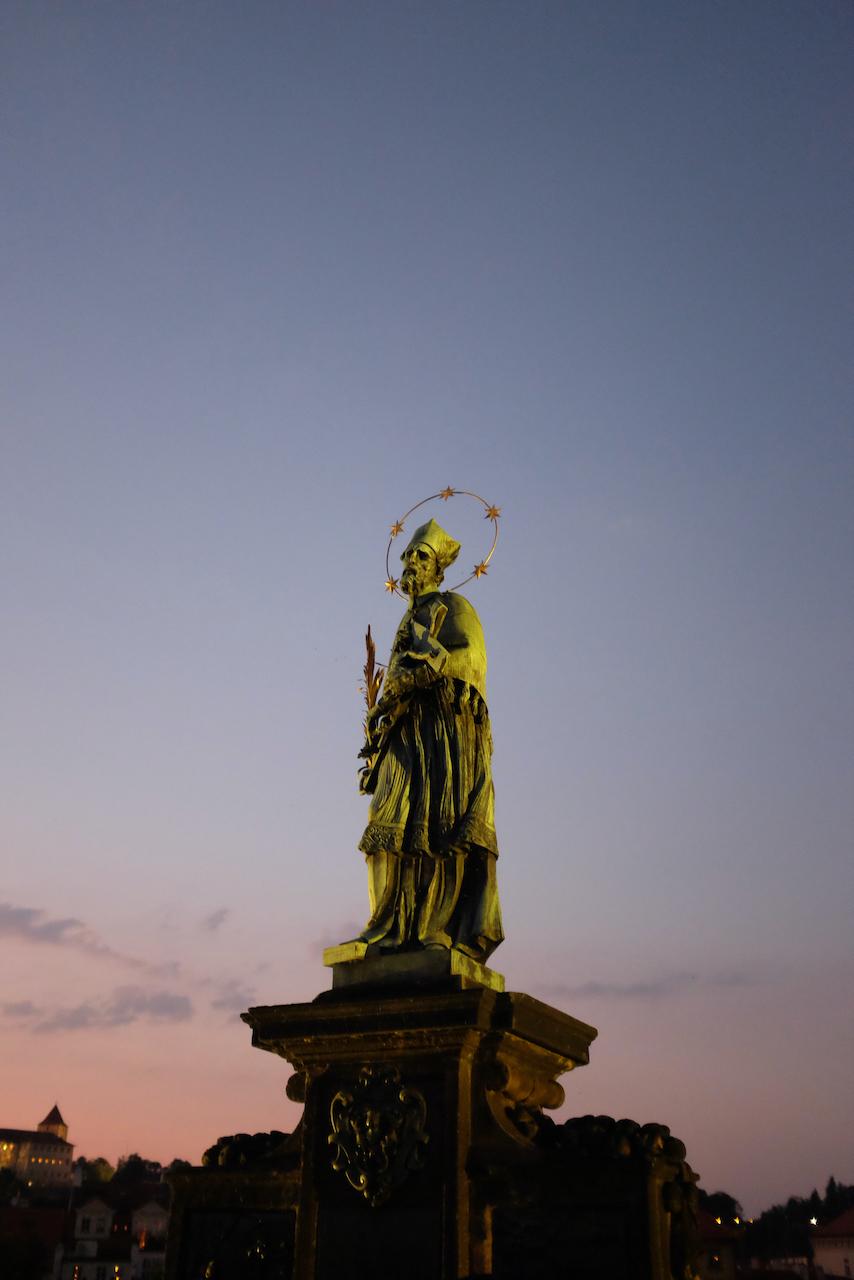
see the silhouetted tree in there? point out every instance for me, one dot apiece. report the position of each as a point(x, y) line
point(134, 1168)
point(837, 1198)
point(720, 1204)
point(94, 1171)
point(784, 1230)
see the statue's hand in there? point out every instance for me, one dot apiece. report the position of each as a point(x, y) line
point(397, 683)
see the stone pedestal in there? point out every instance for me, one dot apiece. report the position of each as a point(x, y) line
point(412, 1097)
point(424, 1152)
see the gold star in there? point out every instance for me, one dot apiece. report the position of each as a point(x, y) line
point(447, 493)
point(480, 569)
point(391, 584)
point(396, 528)
point(492, 513)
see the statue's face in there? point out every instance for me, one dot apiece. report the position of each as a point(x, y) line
point(420, 571)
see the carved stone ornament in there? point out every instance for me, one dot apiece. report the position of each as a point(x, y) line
point(378, 1132)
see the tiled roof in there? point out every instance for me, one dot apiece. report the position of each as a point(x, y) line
point(53, 1117)
point(33, 1135)
point(711, 1229)
point(93, 1202)
point(843, 1225)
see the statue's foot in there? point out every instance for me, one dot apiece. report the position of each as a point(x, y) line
point(382, 943)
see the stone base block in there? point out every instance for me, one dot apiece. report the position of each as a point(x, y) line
point(424, 1152)
point(357, 964)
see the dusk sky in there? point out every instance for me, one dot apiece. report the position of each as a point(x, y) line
point(272, 273)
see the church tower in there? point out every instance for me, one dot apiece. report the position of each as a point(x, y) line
point(54, 1123)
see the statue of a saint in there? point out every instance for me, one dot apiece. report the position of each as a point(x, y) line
point(430, 842)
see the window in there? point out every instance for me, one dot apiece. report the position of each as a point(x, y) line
point(85, 1226)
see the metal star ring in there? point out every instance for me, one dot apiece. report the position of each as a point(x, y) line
point(491, 512)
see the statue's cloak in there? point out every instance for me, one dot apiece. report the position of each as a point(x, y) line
point(431, 840)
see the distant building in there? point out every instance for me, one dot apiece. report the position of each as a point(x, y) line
point(718, 1247)
point(833, 1245)
point(39, 1157)
point(796, 1268)
point(117, 1233)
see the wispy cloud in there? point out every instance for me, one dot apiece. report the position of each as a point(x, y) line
point(125, 1005)
point(215, 920)
point(652, 989)
point(233, 996)
point(19, 1009)
point(35, 926)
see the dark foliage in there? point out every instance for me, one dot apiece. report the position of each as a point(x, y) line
point(783, 1231)
point(133, 1169)
point(94, 1172)
point(720, 1205)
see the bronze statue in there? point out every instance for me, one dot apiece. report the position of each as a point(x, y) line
point(430, 841)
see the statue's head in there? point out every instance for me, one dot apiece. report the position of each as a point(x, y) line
point(429, 552)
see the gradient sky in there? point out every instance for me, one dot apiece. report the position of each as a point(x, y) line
point(272, 273)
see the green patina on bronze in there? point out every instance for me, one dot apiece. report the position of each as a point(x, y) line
point(430, 842)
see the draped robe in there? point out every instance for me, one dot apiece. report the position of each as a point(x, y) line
point(430, 842)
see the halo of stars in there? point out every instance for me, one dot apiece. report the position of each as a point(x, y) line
point(491, 512)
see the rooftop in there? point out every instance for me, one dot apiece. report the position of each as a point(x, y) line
point(54, 1116)
point(33, 1135)
point(843, 1225)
